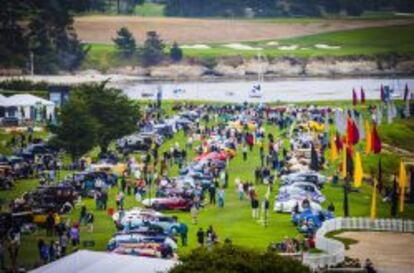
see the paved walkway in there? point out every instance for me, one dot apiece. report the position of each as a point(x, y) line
point(390, 252)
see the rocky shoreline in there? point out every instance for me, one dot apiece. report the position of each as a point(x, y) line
point(238, 68)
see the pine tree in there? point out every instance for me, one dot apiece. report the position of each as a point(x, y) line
point(125, 42)
point(176, 53)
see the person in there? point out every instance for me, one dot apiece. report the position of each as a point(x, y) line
point(266, 205)
point(194, 213)
point(82, 216)
point(14, 245)
point(244, 152)
point(50, 224)
point(240, 189)
point(212, 193)
point(184, 234)
point(255, 208)
point(63, 242)
point(369, 266)
point(331, 207)
point(120, 200)
point(75, 235)
point(43, 251)
point(200, 237)
point(89, 221)
point(52, 251)
point(220, 198)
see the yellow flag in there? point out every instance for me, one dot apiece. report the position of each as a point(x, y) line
point(358, 171)
point(344, 161)
point(334, 149)
point(368, 137)
point(374, 201)
point(403, 184)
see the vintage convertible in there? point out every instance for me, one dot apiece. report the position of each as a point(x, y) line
point(168, 203)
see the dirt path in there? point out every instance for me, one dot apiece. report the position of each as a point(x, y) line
point(390, 252)
point(101, 29)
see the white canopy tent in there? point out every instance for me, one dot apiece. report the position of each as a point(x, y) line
point(22, 105)
point(85, 261)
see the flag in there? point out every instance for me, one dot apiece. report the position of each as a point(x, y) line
point(334, 150)
point(349, 133)
point(394, 198)
point(368, 137)
point(354, 97)
point(382, 93)
point(380, 184)
point(344, 159)
point(362, 96)
point(403, 184)
point(358, 171)
point(374, 201)
point(338, 142)
point(406, 93)
point(375, 140)
point(361, 127)
point(355, 133)
point(349, 161)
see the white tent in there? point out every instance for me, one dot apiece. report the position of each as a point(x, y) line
point(25, 103)
point(85, 261)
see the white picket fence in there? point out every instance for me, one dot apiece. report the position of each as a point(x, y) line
point(334, 251)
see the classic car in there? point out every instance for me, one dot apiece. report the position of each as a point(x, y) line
point(168, 203)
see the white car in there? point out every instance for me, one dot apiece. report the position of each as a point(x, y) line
point(287, 204)
point(308, 176)
point(304, 189)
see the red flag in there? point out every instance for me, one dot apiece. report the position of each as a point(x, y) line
point(362, 96)
point(355, 133)
point(349, 133)
point(354, 97)
point(338, 142)
point(382, 93)
point(406, 91)
point(376, 141)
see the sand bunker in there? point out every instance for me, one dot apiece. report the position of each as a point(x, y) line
point(196, 46)
point(272, 43)
point(289, 47)
point(324, 46)
point(242, 47)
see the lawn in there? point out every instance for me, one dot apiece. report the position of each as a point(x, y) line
point(233, 221)
point(150, 10)
point(368, 42)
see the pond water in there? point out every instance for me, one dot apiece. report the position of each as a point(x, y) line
point(292, 90)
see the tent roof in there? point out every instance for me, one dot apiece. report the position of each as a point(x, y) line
point(85, 261)
point(23, 100)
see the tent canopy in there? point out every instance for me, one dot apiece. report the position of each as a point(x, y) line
point(85, 261)
point(23, 100)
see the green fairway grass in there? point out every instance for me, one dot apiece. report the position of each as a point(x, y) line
point(150, 10)
point(368, 42)
point(234, 221)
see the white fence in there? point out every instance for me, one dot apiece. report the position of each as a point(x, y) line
point(334, 251)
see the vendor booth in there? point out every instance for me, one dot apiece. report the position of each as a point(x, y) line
point(27, 107)
point(85, 261)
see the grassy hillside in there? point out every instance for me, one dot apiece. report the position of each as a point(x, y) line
point(150, 10)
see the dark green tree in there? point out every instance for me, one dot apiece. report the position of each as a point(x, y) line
point(153, 50)
point(77, 130)
point(115, 114)
point(176, 53)
point(125, 42)
point(232, 259)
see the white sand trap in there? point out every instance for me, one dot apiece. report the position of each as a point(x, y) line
point(242, 47)
point(324, 46)
point(289, 47)
point(196, 46)
point(272, 43)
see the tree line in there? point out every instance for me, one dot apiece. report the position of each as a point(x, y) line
point(39, 32)
point(152, 52)
point(276, 8)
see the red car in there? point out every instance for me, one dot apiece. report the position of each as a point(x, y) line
point(168, 203)
point(222, 155)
